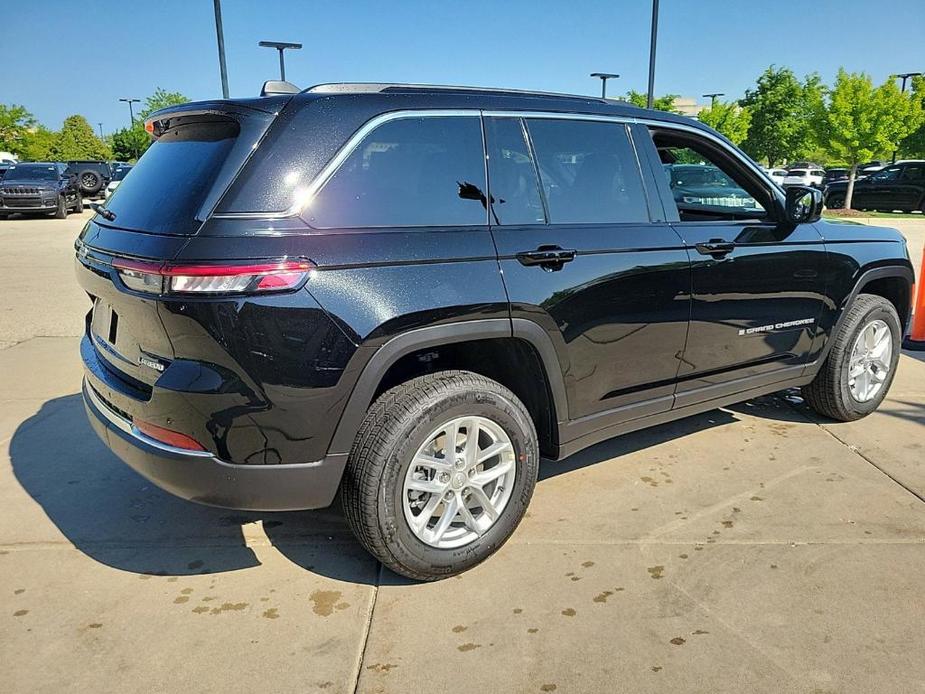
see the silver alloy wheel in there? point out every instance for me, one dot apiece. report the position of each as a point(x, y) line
point(869, 364)
point(459, 482)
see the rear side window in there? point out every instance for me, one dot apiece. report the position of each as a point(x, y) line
point(589, 172)
point(914, 173)
point(425, 171)
point(515, 194)
point(170, 182)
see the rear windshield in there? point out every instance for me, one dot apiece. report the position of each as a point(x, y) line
point(170, 182)
point(796, 172)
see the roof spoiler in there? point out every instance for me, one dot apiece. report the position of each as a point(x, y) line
point(274, 87)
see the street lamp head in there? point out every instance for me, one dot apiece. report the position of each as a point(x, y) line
point(604, 75)
point(280, 45)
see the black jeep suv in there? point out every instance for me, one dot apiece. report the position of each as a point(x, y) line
point(39, 187)
point(900, 186)
point(92, 176)
point(408, 294)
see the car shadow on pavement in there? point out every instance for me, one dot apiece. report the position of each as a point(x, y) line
point(115, 516)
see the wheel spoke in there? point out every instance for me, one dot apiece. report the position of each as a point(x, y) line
point(450, 511)
point(423, 518)
point(493, 450)
point(469, 519)
point(492, 473)
point(425, 460)
point(862, 384)
point(429, 486)
point(472, 442)
point(485, 503)
point(857, 368)
point(869, 334)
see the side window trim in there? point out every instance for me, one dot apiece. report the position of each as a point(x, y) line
point(536, 168)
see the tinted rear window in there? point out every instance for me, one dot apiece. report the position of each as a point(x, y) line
point(172, 179)
point(796, 172)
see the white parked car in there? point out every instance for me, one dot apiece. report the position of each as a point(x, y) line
point(117, 175)
point(804, 177)
point(777, 175)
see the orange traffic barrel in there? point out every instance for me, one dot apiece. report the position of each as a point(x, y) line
point(916, 337)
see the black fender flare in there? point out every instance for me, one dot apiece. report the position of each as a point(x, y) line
point(433, 336)
point(901, 271)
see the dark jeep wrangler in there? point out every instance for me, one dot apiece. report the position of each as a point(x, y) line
point(408, 294)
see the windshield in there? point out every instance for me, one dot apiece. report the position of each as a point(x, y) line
point(796, 172)
point(699, 176)
point(31, 172)
point(120, 173)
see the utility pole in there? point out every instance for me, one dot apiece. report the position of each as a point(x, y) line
point(281, 46)
point(712, 98)
point(904, 76)
point(101, 130)
point(603, 77)
point(131, 112)
point(650, 96)
point(220, 36)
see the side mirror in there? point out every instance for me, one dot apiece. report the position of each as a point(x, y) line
point(804, 205)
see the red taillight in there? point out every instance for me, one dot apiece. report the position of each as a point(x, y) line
point(213, 279)
point(168, 436)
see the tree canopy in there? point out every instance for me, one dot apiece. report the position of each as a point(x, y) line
point(783, 111)
point(728, 118)
point(659, 103)
point(78, 141)
point(15, 122)
point(861, 121)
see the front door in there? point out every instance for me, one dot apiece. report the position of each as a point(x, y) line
point(757, 281)
point(582, 256)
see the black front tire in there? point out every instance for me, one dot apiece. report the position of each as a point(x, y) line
point(79, 205)
point(395, 426)
point(829, 393)
point(61, 212)
point(835, 202)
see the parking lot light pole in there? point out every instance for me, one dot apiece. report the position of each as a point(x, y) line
point(131, 112)
point(220, 37)
point(603, 77)
point(281, 46)
point(650, 95)
point(904, 76)
point(712, 98)
point(101, 130)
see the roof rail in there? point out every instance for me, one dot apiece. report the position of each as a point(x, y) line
point(397, 87)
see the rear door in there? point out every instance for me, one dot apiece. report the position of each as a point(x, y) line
point(910, 188)
point(585, 256)
point(757, 280)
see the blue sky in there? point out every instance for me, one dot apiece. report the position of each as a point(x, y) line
point(80, 56)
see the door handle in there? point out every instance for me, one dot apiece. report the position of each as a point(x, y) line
point(716, 248)
point(548, 257)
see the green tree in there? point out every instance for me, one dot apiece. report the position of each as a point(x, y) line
point(728, 118)
point(659, 103)
point(784, 114)
point(15, 122)
point(161, 98)
point(862, 121)
point(38, 144)
point(129, 143)
point(78, 141)
point(913, 146)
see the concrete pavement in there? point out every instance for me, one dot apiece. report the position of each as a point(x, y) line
point(750, 549)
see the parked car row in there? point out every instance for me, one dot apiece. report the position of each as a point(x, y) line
point(56, 188)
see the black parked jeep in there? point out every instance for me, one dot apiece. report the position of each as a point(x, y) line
point(92, 176)
point(409, 294)
point(39, 187)
point(900, 186)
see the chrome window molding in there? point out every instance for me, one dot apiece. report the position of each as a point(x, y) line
point(357, 138)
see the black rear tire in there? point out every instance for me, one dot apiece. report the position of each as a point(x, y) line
point(835, 202)
point(829, 393)
point(397, 424)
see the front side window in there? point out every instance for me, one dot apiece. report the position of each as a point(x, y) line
point(589, 172)
point(705, 185)
point(890, 174)
point(515, 194)
point(423, 171)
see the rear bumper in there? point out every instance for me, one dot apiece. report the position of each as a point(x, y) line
point(203, 478)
